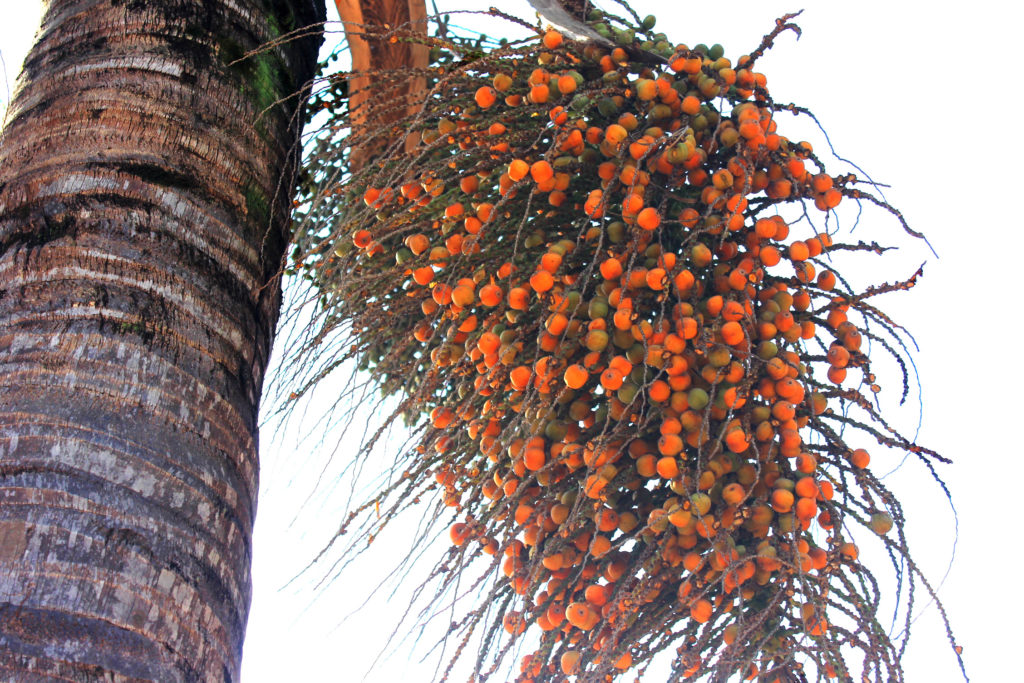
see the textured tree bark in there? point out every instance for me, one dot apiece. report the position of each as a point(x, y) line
point(373, 108)
point(145, 181)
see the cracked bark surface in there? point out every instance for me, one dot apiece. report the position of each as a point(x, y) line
point(145, 180)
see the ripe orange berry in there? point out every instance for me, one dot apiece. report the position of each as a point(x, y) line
point(362, 238)
point(423, 275)
point(485, 97)
point(552, 39)
point(838, 356)
point(737, 441)
point(733, 494)
point(518, 299)
point(611, 379)
point(490, 295)
point(798, 251)
point(615, 133)
point(518, 169)
point(668, 467)
point(860, 458)
point(576, 376)
point(782, 500)
point(806, 509)
point(459, 533)
point(732, 333)
point(520, 377)
point(580, 615)
point(541, 171)
point(632, 205)
point(659, 391)
point(569, 662)
point(566, 84)
point(701, 610)
point(691, 105)
point(542, 281)
point(656, 279)
point(649, 218)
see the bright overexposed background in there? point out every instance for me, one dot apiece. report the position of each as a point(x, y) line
point(919, 96)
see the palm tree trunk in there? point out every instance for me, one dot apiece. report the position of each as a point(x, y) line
point(376, 58)
point(145, 181)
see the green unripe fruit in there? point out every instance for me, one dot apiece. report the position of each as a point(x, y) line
point(719, 357)
point(403, 255)
point(679, 153)
point(580, 103)
point(565, 397)
point(625, 37)
point(598, 308)
point(660, 111)
point(590, 156)
point(555, 430)
point(596, 340)
point(606, 107)
point(622, 339)
point(729, 137)
point(635, 355)
point(579, 410)
point(534, 240)
point(701, 503)
point(767, 350)
point(697, 398)
point(563, 162)
point(637, 374)
point(881, 523)
point(709, 87)
point(627, 392)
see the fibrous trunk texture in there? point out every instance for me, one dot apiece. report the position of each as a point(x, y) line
point(144, 194)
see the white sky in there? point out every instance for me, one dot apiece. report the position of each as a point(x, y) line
point(919, 98)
